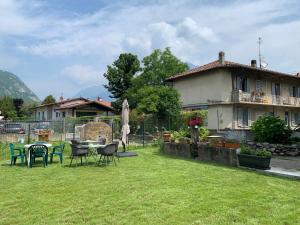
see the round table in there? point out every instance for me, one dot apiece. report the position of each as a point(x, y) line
point(48, 145)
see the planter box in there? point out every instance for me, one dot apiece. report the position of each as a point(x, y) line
point(253, 161)
point(232, 145)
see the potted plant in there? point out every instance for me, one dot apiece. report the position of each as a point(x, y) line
point(258, 159)
point(167, 136)
point(232, 144)
point(216, 142)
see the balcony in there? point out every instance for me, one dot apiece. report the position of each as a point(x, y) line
point(261, 98)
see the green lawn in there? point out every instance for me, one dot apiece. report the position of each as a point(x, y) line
point(148, 189)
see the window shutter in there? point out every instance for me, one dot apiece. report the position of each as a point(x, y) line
point(239, 117)
point(291, 91)
point(249, 116)
point(235, 82)
point(247, 84)
point(298, 92)
point(273, 88)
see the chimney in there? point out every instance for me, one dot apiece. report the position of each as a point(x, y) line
point(253, 63)
point(222, 58)
point(99, 99)
point(61, 98)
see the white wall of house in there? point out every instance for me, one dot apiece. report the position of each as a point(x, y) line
point(200, 89)
point(220, 117)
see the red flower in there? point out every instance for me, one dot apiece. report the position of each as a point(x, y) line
point(195, 121)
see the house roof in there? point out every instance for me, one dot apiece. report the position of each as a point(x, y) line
point(77, 102)
point(227, 64)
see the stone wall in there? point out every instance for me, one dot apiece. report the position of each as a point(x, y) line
point(92, 131)
point(204, 152)
point(277, 149)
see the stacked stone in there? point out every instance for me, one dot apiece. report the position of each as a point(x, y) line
point(277, 149)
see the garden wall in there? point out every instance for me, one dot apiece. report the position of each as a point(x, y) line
point(203, 152)
point(277, 149)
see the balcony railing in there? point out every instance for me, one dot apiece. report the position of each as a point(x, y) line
point(259, 97)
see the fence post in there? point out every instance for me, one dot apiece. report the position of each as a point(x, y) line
point(112, 130)
point(28, 136)
point(144, 133)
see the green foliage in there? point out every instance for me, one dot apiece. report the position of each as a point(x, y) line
point(119, 76)
point(176, 135)
point(158, 66)
point(203, 133)
point(249, 151)
point(162, 101)
point(271, 129)
point(48, 100)
point(7, 107)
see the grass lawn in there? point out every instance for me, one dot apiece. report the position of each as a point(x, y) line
point(148, 189)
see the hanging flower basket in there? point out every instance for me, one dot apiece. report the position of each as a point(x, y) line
point(198, 121)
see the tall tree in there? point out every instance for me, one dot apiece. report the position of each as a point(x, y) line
point(18, 103)
point(158, 66)
point(48, 100)
point(7, 107)
point(162, 101)
point(119, 76)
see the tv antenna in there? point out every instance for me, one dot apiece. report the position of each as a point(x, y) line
point(262, 64)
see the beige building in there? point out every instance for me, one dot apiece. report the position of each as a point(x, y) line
point(236, 94)
point(73, 107)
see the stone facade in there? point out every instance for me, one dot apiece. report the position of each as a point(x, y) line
point(277, 149)
point(93, 130)
point(203, 152)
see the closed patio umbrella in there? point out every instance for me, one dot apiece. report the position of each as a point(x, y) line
point(125, 123)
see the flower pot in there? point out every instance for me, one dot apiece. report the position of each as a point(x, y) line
point(167, 137)
point(253, 161)
point(232, 145)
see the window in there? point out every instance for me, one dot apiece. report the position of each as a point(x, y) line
point(57, 115)
point(287, 118)
point(63, 114)
point(294, 91)
point(296, 118)
point(43, 115)
point(242, 114)
point(242, 83)
point(259, 86)
point(276, 89)
point(39, 115)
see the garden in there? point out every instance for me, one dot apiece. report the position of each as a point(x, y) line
point(152, 188)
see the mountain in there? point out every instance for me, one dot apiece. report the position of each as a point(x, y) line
point(191, 65)
point(93, 92)
point(13, 86)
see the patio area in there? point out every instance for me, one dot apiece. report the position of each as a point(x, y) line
point(150, 189)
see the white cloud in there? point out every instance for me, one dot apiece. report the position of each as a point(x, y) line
point(82, 74)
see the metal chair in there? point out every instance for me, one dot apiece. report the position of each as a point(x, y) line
point(116, 142)
point(107, 151)
point(79, 151)
point(38, 151)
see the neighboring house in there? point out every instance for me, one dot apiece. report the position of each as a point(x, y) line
point(236, 94)
point(76, 107)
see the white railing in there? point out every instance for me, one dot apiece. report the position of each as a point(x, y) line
point(259, 97)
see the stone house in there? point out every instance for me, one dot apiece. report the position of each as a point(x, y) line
point(76, 107)
point(236, 94)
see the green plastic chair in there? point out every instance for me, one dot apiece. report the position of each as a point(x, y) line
point(13, 156)
point(57, 150)
point(38, 151)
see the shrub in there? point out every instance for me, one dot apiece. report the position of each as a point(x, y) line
point(271, 129)
point(245, 150)
point(203, 133)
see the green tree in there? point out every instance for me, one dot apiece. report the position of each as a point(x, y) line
point(7, 107)
point(48, 100)
point(119, 76)
point(158, 66)
point(27, 109)
point(162, 101)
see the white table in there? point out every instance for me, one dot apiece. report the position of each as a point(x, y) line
point(29, 153)
point(93, 150)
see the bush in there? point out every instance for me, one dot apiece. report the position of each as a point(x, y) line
point(245, 150)
point(271, 129)
point(203, 133)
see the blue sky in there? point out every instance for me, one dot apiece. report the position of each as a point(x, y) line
point(62, 46)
